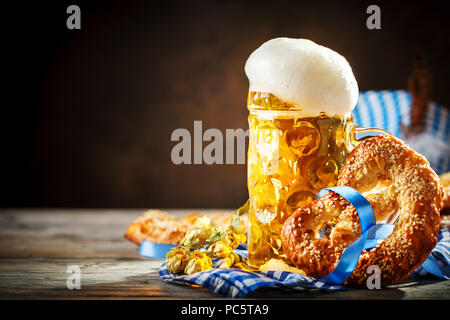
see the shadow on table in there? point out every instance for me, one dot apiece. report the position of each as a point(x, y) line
point(393, 292)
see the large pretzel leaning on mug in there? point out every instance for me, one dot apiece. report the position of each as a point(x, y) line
point(402, 180)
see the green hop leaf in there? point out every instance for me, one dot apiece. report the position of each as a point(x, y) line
point(236, 219)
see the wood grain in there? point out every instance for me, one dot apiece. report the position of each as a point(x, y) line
point(37, 246)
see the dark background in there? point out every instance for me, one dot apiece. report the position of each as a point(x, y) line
point(87, 114)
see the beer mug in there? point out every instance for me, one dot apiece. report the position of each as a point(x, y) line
point(290, 159)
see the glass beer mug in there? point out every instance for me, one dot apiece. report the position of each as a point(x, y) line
point(290, 159)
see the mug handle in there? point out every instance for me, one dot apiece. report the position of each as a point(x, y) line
point(353, 130)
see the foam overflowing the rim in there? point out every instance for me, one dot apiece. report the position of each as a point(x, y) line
point(307, 76)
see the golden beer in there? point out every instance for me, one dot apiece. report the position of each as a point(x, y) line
point(290, 159)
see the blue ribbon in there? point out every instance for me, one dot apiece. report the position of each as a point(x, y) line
point(378, 232)
point(158, 250)
point(350, 255)
point(154, 250)
point(371, 234)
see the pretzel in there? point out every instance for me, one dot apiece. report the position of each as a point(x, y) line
point(392, 177)
point(161, 227)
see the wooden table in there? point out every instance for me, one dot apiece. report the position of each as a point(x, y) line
point(37, 246)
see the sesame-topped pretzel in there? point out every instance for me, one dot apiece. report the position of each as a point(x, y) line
point(391, 176)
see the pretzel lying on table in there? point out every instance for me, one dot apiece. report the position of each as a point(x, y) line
point(403, 180)
point(161, 227)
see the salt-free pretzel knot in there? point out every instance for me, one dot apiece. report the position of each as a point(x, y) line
point(391, 176)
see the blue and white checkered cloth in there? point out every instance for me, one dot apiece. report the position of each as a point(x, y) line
point(238, 283)
point(388, 109)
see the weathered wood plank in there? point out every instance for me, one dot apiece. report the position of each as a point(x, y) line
point(64, 233)
point(138, 278)
point(103, 278)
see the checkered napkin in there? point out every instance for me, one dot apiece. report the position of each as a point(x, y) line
point(438, 261)
point(387, 110)
point(238, 283)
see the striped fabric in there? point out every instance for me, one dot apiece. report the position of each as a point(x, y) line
point(238, 283)
point(440, 255)
point(387, 110)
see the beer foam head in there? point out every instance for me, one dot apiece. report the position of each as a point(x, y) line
point(309, 76)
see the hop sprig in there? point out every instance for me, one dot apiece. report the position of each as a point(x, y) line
point(236, 219)
point(177, 259)
point(198, 235)
point(217, 243)
point(219, 249)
